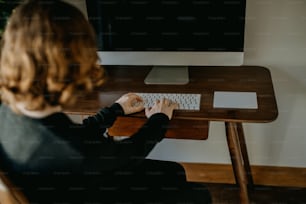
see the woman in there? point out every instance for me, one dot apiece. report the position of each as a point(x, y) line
point(49, 56)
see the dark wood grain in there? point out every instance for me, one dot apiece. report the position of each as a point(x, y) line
point(203, 80)
point(177, 128)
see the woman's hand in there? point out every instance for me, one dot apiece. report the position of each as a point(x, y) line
point(131, 103)
point(162, 106)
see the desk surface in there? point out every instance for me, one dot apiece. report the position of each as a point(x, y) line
point(203, 80)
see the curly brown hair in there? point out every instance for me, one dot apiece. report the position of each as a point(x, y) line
point(48, 54)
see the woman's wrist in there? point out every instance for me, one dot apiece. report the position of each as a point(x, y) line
point(117, 109)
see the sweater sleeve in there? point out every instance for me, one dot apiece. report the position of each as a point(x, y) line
point(128, 152)
point(105, 117)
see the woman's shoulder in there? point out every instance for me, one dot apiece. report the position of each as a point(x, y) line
point(7, 113)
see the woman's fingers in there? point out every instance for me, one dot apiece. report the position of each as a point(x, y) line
point(163, 105)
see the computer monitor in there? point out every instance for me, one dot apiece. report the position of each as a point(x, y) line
point(170, 35)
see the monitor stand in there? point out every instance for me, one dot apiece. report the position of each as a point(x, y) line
point(171, 75)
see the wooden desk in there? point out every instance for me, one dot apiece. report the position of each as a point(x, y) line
point(203, 80)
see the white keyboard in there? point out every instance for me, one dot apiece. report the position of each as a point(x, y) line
point(186, 101)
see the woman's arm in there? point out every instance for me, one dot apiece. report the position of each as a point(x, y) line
point(126, 104)
point(108, 154)
point(114, 154)
point(104, 118)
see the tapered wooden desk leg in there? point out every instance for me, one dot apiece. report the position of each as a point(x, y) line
point(245, 157)
point(237, 160)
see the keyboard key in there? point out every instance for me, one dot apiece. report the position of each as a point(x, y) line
point(186, 101)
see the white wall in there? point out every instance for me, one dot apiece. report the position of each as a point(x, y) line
point(275, 38)
point(80, 4)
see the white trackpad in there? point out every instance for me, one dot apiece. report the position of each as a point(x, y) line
point(229, 99)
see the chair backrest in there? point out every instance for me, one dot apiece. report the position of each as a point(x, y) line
point(9, 193)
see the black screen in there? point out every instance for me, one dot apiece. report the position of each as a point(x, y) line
point(168, 25)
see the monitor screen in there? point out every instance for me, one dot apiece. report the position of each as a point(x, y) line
point(169, 32)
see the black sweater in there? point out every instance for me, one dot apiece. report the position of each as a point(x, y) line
point(55, 150)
